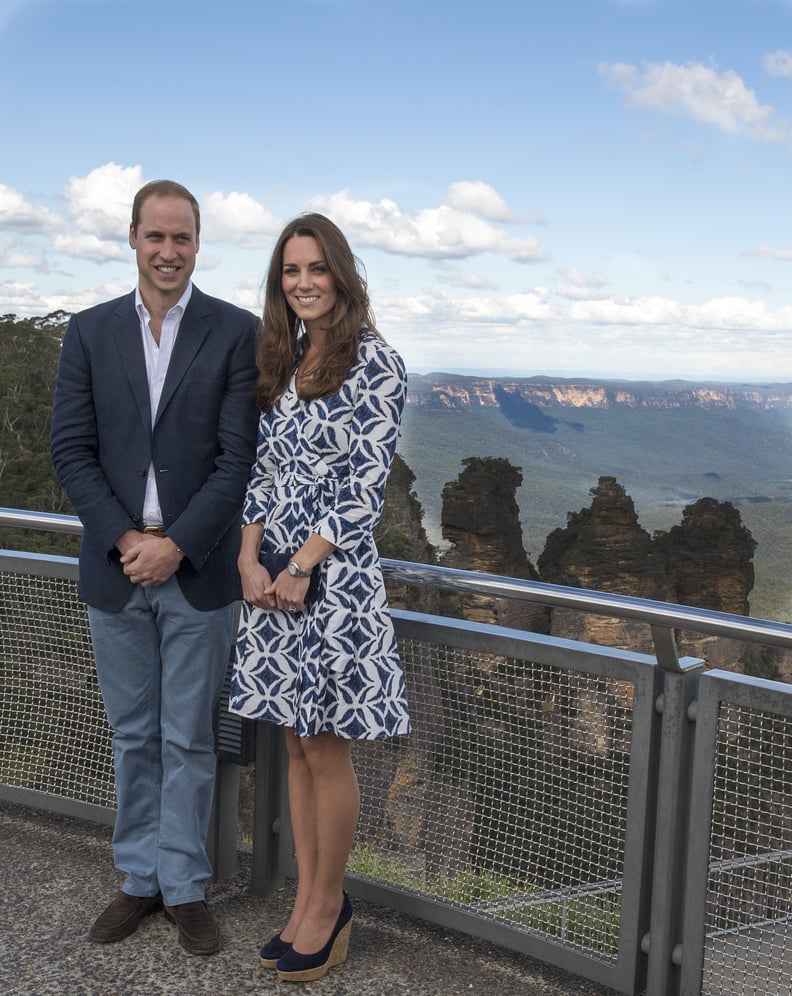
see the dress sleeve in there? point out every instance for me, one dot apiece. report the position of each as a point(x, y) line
point(374, 431)
point(261, 477)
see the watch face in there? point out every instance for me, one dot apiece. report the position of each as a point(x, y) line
point(292, 569)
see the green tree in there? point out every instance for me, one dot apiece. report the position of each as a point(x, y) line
point(29, 351)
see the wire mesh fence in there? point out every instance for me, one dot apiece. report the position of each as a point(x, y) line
point(54, 737)
point(509, 799)
point(749, 895)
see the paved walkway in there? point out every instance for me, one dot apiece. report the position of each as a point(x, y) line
point(56, 875)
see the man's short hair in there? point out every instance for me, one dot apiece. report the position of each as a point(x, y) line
point(163, 188)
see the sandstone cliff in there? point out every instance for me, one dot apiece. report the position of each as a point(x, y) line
point(449, 392)
point(705, 561)
point(481, 520)
point(708, 557)
point(604, 548)
point(400, 535)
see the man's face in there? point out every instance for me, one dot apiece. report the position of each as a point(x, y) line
point(165, 245)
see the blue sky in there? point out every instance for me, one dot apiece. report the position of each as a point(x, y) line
point(574, 187)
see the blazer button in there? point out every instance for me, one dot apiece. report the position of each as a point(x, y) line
point(141, 471)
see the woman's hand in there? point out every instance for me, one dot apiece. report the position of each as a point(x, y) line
point(255, 578)
point(257, 585)
point(289, 593)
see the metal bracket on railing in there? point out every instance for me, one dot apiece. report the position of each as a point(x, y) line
point(665, 648)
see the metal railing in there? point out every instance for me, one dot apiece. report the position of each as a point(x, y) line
point(624, 816)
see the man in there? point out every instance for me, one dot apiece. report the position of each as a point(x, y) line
point(153, 436)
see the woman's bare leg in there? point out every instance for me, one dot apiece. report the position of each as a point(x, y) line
point(303, 822)
point(334, 811)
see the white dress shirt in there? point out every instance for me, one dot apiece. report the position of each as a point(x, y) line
point(157, 360)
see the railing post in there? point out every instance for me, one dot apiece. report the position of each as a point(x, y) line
point(673, 814)
point(224, 822)
point(271, 829)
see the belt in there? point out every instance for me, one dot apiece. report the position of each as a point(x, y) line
point(160, 531)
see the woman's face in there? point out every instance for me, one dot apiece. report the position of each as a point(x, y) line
point(307, 283)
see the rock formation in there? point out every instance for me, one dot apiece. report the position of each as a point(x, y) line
point(481, 520)
point(604, 548)
point(400, 535)
point(706, 562)
point(709, 557)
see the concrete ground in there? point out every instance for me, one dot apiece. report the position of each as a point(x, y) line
point(56, 876)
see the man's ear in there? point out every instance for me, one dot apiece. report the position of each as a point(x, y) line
point(132, 237)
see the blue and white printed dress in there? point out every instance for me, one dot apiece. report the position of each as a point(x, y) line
point(321, 467)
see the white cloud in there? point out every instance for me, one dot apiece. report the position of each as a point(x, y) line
point(617, 330)
point(23, 298)
point(578, 286)
point(238, 219)
point(97, 214)
point(18, 215)
point(18, 297)
point(438, 307)
point(467, 281)
point(511, 309)
point(778, 63)
point(247, 293)
point(14, 255)
point(480, 199)
point(716, 315)
point(740, 313)
point(99, 208)
point(444, 232)
point(83, 245)
point(100, 203)
point(699, 92)
point(768, 252)
point(628, 311)
point(76, 298)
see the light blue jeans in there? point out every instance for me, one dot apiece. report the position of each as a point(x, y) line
point(160, 665)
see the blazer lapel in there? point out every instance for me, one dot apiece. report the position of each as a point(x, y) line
point(193, 329)
point(126, 332)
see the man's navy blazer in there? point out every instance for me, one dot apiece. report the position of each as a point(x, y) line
point(202, 443)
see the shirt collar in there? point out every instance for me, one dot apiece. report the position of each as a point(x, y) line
point(181, 304)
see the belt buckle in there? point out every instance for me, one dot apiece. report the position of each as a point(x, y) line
point(157, 530)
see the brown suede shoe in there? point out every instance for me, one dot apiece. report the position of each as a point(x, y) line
point(198, 929)
point(122, 917)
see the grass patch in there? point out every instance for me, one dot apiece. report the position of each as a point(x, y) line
point(590, 922)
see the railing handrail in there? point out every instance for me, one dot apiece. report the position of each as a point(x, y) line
point(48, 522)
point(654, 613)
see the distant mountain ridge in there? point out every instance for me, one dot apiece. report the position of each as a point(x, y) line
point(448, 391)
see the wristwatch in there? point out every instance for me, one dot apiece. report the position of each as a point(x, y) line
point(295, 571)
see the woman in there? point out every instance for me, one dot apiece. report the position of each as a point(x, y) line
point(331, 392)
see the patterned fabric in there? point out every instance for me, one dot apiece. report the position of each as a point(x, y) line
point(322, 467)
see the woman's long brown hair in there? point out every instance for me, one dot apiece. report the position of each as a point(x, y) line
point(277, 350)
